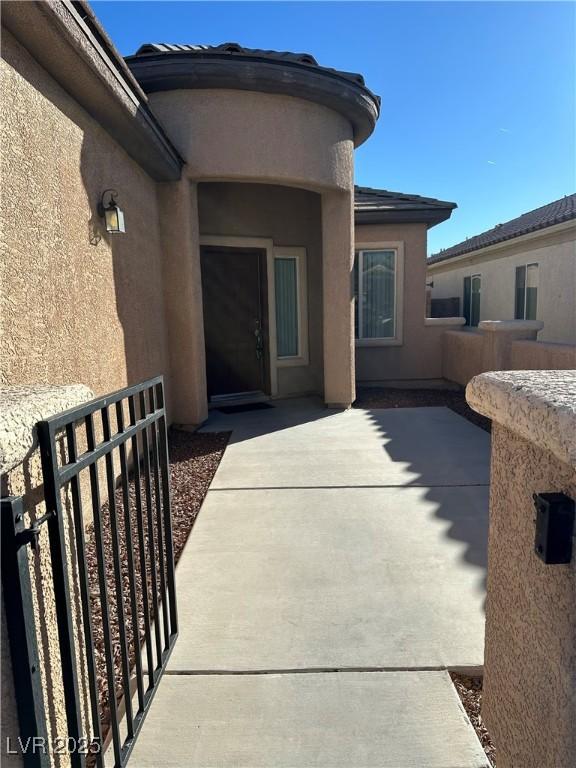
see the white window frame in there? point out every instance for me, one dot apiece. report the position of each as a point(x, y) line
point(299, 256)
point(398, 247)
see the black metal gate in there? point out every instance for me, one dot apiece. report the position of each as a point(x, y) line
point(117, 621)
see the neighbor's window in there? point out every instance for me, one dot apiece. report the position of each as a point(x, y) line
point(471, 299)
point(375, 293)
point(286, 287)
point(526, 297)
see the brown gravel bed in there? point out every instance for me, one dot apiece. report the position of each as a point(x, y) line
point(470, 691)
point(388, 397)
point(194, 459)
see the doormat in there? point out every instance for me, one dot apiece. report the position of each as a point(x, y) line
point(244, 407)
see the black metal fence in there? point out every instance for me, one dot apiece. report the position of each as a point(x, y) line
point(113, 577)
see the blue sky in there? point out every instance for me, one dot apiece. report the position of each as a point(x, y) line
point(478, 99)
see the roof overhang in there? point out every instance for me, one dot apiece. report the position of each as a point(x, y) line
point(174, 70)
point(430, 217)
point(501, 248)
point(68, 42)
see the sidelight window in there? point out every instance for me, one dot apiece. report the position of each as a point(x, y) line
point(290, 306)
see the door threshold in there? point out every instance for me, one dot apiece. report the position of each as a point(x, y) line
point(237, 398)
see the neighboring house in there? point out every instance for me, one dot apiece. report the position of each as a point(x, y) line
point(523, 269)
point(233, 168)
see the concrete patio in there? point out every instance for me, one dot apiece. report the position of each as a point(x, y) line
point(336, 571)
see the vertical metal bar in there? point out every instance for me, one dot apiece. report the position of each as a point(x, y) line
point(96, 509)
point(19, 612)
point(159, 522)
point(109, 462)
point(59, 558)
point(167, 505)
point(130, 558)
point(84, 591)
point(141, 543)
point(150, 528)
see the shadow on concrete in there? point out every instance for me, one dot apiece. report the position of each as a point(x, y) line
point(465, 525)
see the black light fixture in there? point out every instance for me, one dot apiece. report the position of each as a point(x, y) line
point(110, 211)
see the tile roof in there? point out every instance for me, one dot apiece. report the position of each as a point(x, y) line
point(382, 205)
point(540, 218)
point(240, 50)
point(169, 67)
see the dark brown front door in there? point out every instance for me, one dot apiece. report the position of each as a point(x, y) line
point(235, 322)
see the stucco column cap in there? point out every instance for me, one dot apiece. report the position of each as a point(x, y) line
point(445, 321)
point(496, 326)
point(21, 407)
point(539, 406)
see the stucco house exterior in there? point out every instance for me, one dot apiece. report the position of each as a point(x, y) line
point(524, 269)
point(236, 272)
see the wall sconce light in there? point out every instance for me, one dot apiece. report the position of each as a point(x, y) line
point(110, 211)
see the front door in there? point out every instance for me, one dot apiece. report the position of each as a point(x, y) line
point(235, 319)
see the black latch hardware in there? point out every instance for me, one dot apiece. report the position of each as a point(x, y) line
point(31, 535)
point(554, 527)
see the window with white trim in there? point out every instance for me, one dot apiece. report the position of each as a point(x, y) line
point(375, 282)
point(290, 303)
point(526, 294)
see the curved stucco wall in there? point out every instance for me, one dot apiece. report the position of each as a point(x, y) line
point(249, 136)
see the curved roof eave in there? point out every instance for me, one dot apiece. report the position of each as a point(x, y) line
point(260, 71)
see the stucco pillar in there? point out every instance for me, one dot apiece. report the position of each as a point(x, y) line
point(337, 262)
point(529, 698)
point(21, 407)
point(183, 301)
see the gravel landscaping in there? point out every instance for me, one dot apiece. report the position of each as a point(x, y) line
point(470, 691)
point(193, 458)
point(389, 397)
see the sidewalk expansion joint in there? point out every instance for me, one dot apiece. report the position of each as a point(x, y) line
point(347, 487)
point(300, 670)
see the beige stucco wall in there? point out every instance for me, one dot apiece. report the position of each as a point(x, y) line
point(419, 355)
point(265, 137)
point(462, 353)
point(529, 698)
point(20, 409)
point(537, 355)
point(554, 249)
point(289, 217)
point(529, 694)
point(77, 304)
point(465, 354)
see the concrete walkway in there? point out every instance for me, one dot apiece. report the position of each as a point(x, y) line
point(336, 570)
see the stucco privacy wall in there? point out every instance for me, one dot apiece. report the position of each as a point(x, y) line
point(20, 465)
point(290, 217)
point(419, 354)
point(529, 701)
point(93, 303)
point(537, 355)
point(466, 354)
point(553, 249)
